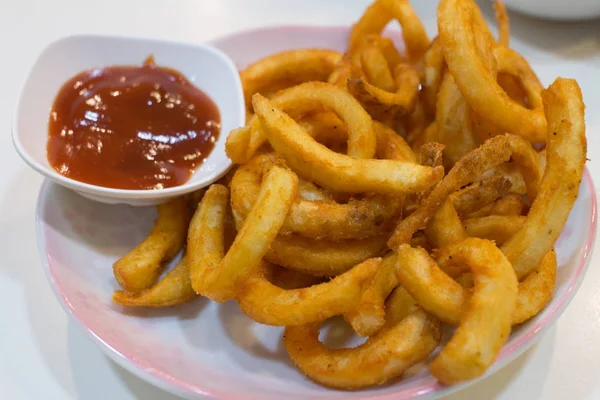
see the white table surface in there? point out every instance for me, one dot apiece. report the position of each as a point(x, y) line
point(44, 355)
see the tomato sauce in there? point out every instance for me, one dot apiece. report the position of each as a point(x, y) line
point(131, 127)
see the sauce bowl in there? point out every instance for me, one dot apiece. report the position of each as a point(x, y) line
point(206, 67)
point(559, 10)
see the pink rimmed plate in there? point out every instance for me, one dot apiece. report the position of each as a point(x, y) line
point(208, 350)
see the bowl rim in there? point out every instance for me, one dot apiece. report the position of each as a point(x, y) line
point(127, 194)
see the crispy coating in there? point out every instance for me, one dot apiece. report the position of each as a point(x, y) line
point(337, 171)
point(173, 289)
point(382, 357)
point(140, 267)
point(217, 278)
point(286, 69)
point(242, 143)
point(566, 149)
point(356, 219)
point(492, 153)
point(268, 304)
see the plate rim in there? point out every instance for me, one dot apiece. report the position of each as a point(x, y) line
point(429, 386)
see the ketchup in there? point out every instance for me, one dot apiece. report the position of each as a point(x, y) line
point(131, 127)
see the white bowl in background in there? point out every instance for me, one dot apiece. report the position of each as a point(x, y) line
point(205, 66)
point(557, 9)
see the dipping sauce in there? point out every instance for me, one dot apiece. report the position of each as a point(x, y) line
point(131, 127)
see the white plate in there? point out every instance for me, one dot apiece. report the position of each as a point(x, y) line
point(209, 350)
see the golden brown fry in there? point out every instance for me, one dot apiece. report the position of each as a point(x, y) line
point(206, 235)
point(454, 127)
point(434, 68)
point(287, 68)
point(369, 315)
point(489, 155)
point(375, 65)
point(479, 194)
point(379, 14)
point(510, 205)
point(140, 268)
point(432, 286)
point(345, 69)
point(445, 227)
point(337, 171)
point(513, 88)
point(327, 129)
point(566, 149)
point(356, 219)
point(268, 304)
point(512, 63)
point(465, 63)
point(382, 104)
point(390, 145)
point(486, 323)
point(415, 123)
point(217, 278)
point(286, 278)
point(537, 289)
point(381, 358)
point(175, 288)
point(503, 23)
point(323, 257)
point(390, 52)
point(499, 228)
point(511, 171)
point(242, 143)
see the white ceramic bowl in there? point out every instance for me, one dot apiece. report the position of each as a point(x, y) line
point(557, 9)
point(207, 67)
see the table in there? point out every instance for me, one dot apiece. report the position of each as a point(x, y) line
point(44, 355)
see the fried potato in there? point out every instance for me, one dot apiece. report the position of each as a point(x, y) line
point(445, 227)
point(434, 68)
point(381, 358)
point(510, 205)
point(323, 257)
point(377, 16)
point(566, 149)
point(216, 277)
point(480, 194)
point(289, 68)
point(173, 289)
point(140, 268)
point(336, 171)
point(375, 65)
point(454, 127)
point(271, 305)
point(431, 283)
point(464, 61)
point(357, 219)
point(382, 104)
point(242, 143)
point(498, 228)
point(536, 290)
point(503, 23)
point(489, 155)
point(487, 320)
point(368, 317)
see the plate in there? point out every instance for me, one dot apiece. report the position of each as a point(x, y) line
point(208, 350)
